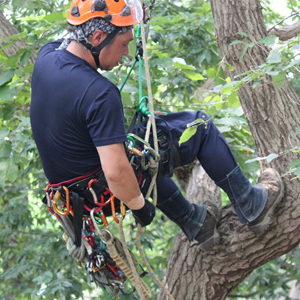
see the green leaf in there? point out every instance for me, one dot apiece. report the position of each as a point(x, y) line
point(279, 79)
point(162, 20)
point(295, 163)
point(268, 158)
point(130, 88)
point(157, 27)
point(111, 76)
point(12, 171)
point(223, 129)
point(55, 16)
point(192, 75)
point(235, 42)
point(256, 83)
point(272, 73)
point(212, 72)
point(227, 89)
point(5, 93)
point(297, 172)
point(271, 156)
point(181, 64)
point(274, 57)
point(6, 76)
point(244, 52)
point(164, 62)
point(243, 33)
point(24, 58)
point(229, 67)
point(268, 40)
point(233, 100)
point(3, 133)
point(187, 134)
point(229, 121)
point(295, 47)
point(14, 37)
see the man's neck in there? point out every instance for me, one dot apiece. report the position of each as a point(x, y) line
point(79, 50)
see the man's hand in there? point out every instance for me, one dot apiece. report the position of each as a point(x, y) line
point(145, 215)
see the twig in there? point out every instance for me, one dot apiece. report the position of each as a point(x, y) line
point(292, 15)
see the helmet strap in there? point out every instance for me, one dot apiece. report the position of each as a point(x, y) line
point(96, 50)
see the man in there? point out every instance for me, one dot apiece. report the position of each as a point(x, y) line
point(78, 125)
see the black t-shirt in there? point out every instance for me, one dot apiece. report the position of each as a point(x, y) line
point(73, 110)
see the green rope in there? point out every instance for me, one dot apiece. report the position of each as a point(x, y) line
point(127, 76)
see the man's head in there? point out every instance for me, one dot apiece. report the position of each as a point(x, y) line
point(104, 25)
point(117, 12)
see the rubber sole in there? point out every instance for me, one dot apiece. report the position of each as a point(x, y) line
point(214, 236)
point(268, 218)
point(212, 241)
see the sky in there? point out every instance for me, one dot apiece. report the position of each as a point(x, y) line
point(280, 7)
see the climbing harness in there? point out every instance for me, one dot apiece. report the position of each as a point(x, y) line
point(83, 204)
point(100, 252)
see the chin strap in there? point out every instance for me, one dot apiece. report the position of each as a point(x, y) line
point(96, 50)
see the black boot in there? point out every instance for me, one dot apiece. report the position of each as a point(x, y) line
point(198, 222)
point(272, 180)
point(209, 236)
point(254, 205)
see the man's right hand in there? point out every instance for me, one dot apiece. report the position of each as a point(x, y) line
point(145, 215)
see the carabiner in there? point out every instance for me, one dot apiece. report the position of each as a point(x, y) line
point(122, 209)
point(134, 136)
point(153, 153)
point(104, 220)
point(57, 197)
point(99, 232)
point(95, 198)
point(153, 160)
point(147, 17)
point(48, 197)
point(113, 209)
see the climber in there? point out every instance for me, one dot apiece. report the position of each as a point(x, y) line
point(78, 125)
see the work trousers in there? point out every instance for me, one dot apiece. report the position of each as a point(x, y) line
point(208, 145)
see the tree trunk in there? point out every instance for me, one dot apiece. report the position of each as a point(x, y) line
point(273, 116)
point(7, 30)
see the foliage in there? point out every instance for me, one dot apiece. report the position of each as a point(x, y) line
point(272, 281)
point(281, 65)
point(182, 52)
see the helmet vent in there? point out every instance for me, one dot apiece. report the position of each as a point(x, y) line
point(75, 11)
point(108, 18)
point(99, 5)
point(125, 11)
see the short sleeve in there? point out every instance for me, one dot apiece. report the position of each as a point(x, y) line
point(105, 118)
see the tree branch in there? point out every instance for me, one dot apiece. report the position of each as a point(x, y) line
point(286, 32)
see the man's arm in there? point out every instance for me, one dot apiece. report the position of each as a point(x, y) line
point(120, 175)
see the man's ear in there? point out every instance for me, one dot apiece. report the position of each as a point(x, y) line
point(97, 38)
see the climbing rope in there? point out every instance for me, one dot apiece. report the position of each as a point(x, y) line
point(151, 125)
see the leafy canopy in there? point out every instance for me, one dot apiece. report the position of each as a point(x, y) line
point(183, 54)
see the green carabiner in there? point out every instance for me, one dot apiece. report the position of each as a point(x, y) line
point(132, 140)
point(143, 106)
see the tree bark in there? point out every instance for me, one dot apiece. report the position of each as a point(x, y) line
point(7, 30)
point(273, 116)
point(286, 32)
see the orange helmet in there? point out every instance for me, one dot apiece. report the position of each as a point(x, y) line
point(117, 12)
